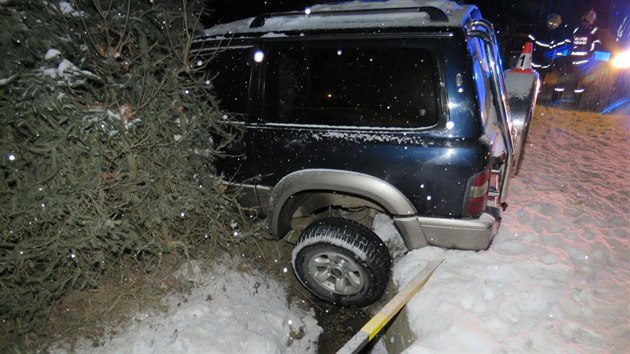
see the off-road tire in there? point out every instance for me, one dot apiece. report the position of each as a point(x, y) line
point(342, 262)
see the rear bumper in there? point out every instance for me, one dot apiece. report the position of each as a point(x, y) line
point(466, 234)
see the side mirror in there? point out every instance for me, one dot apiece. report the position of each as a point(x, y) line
point(554, 21)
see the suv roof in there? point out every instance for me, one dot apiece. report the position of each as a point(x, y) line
point(350, 15)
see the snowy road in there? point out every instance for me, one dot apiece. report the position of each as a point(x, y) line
point(557, 277)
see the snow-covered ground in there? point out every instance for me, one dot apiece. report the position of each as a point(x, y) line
point(556, 279)
point(227, 311)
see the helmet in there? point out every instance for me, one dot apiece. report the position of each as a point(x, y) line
point(553, 21)
point(589, 17)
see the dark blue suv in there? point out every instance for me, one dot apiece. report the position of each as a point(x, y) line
point(343, 111)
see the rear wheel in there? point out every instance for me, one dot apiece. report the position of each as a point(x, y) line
point(342, 262)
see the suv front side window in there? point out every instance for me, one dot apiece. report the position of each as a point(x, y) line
point(346, 84)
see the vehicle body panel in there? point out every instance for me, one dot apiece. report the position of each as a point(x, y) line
point(304, 131)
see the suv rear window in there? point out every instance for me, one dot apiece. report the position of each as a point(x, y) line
point(347, 84)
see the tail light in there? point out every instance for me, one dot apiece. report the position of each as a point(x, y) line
point(478, 194)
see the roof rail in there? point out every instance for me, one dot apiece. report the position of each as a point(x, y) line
point(435, 14)
point(260, 20)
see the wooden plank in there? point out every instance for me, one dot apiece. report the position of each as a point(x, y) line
point(382, 318)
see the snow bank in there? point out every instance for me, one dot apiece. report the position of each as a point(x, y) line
point(226, 312)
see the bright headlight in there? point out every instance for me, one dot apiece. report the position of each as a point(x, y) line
point(622, 60)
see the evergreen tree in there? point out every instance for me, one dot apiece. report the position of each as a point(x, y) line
point(106, 146)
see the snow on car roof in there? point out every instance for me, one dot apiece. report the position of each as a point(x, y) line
point(351, 14)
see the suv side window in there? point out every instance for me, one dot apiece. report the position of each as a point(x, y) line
point(349, 84)
point(229, 72)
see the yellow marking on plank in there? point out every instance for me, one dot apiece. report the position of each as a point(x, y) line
point(397, 302)
point(375, 325)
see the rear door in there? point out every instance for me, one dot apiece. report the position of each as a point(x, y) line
point(230, 73)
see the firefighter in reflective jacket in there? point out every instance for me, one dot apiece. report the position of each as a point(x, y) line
point(584, 42)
